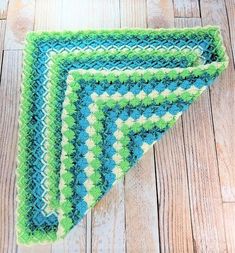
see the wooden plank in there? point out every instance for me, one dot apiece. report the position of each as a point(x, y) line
point(92, 14)
point(59, 15)
point(9, 104)
point(186, 8)
point(108, 226)
point(229, 214)
point(2, 36)
point(160, 13)
point(173, 196)
point(89, 232)
point(223, 103)
point(230, 9)
point(75, 241)
point(48, 15)
point(133, 13)
point(204, 186)
point(3, 9)
point(20, 19)
point(140, 183)
point(34, 249)
point(141, 207)
point(174, 213)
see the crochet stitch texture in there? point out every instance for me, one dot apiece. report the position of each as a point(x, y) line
point(93, 102)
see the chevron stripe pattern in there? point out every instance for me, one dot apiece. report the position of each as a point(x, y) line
point(92, 103)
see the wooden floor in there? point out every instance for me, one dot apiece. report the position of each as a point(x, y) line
point(181, 196)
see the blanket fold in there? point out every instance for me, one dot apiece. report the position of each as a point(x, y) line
point(92, 103)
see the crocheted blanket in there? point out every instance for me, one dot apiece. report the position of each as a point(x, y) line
point(93, 102)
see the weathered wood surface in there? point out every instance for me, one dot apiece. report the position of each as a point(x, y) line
point(172, 186)
point(20, 20)
point(2, 35)
point(180, 197)
point(229, 221)
point(186, 8)
point(223, 102)
point(203, 179)
point(9, 107)
point(3, 9)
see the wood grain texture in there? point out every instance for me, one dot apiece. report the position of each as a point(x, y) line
point(186, 8)
point(88, 232)
point(133, 13)
point(160, 13)
point(59, 15)
point(173, 196)
point(108, 222)
point(48, 15)
point(2, 35)
point(34, 249)
point(19, 21)
point(9, 106)
point(223, 103)
point(93, 14)
point(75, 242)
point(204, 188)
point(174, 213)
point(230, 9)
point(141, 207)
point(229, 214)
point(3, 9)
point(202, 167)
